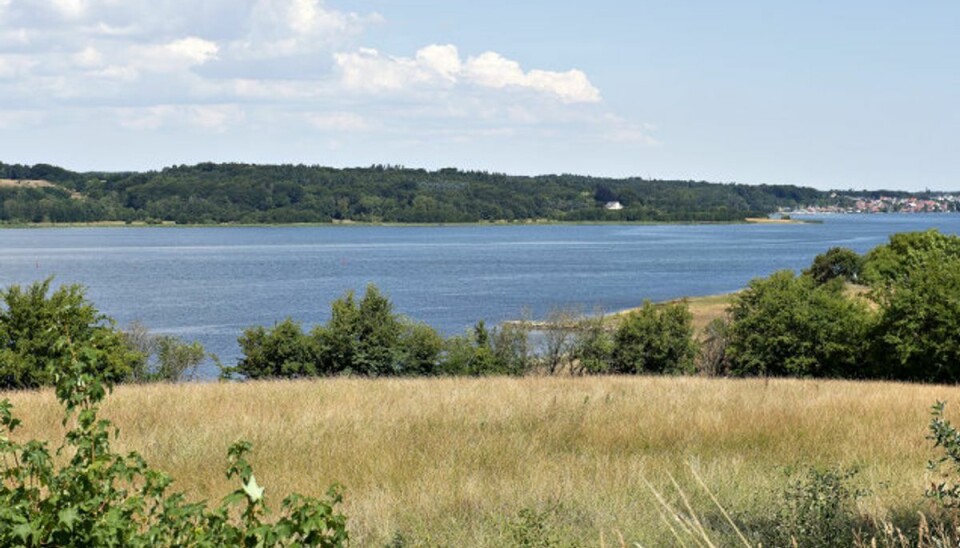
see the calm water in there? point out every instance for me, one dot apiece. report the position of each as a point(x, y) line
point(208, 284)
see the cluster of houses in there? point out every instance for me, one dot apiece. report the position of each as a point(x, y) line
point(888, 204)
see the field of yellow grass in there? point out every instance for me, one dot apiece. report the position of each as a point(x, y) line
point(453, 461)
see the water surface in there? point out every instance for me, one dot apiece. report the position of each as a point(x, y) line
point(208, 284)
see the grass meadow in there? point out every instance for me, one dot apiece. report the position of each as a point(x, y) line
point(454, 461)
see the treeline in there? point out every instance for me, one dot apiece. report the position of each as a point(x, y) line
point(892, 314)
point(245, 193)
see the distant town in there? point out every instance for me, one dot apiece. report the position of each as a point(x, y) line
point(941, 203)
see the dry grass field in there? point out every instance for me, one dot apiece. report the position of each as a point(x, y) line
point(453, 461)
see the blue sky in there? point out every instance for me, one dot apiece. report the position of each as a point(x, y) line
point(843, 94)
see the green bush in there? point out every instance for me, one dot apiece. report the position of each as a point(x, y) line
point(655, 339)
point(818, 508)
point(283, 351)
point(786, 325)
point(363, 337)
point(32, 320)
point(502, 351)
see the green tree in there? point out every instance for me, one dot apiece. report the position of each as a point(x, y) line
point(655, 339)
point(917, 336)
point(836, 262)
point(786, 325)
point(34, 322)
point(283, 351)
point(906, 253)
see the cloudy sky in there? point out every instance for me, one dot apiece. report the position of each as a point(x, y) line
point(850, 94)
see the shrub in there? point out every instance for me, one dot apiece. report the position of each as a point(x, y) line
point(31, 323)
point(283, 351)
point(818, 509)
point(944, 435)
point(655, 339)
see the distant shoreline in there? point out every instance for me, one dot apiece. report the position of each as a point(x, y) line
point(170, 224)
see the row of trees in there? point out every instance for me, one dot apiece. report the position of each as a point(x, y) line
point(904, 323)
point(219, 193)
point(366, 337)
point(892, 314)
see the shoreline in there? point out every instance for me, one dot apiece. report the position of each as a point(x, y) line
point(537, 222)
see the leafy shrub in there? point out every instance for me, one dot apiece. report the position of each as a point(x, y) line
point(655, 339)
point(786, 325)
point(283, 351)
point(944, 435)
point(531, 528)
point(102, 498)
point(502, 351)
point(818, 509)
point(31, 323)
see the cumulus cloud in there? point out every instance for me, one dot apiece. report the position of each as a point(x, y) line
point(369, 70)
point(272, 65)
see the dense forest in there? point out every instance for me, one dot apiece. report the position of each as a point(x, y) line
point(245, 193)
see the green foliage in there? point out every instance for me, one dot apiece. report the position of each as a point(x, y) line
point(836, 262)
point(918, 333)
point(33, 320)
point(102, 498)
point(284, 351)
point(223, 193)
point(655, 339)
point(592, 347)
point(908, 252)
point(502, 351)
point(786, 325)
point(533, 529)
point(818, 508)
point(944, 435)
point(364, 337)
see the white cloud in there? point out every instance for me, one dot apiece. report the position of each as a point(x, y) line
point(18, 119)
point(69, 8)
point(339, 121)
point(369, 70)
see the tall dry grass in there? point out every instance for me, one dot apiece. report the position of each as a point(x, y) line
point(452, 461)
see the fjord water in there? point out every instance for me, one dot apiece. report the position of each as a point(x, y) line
point(208, 284)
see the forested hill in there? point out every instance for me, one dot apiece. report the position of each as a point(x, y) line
point(243, 193)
